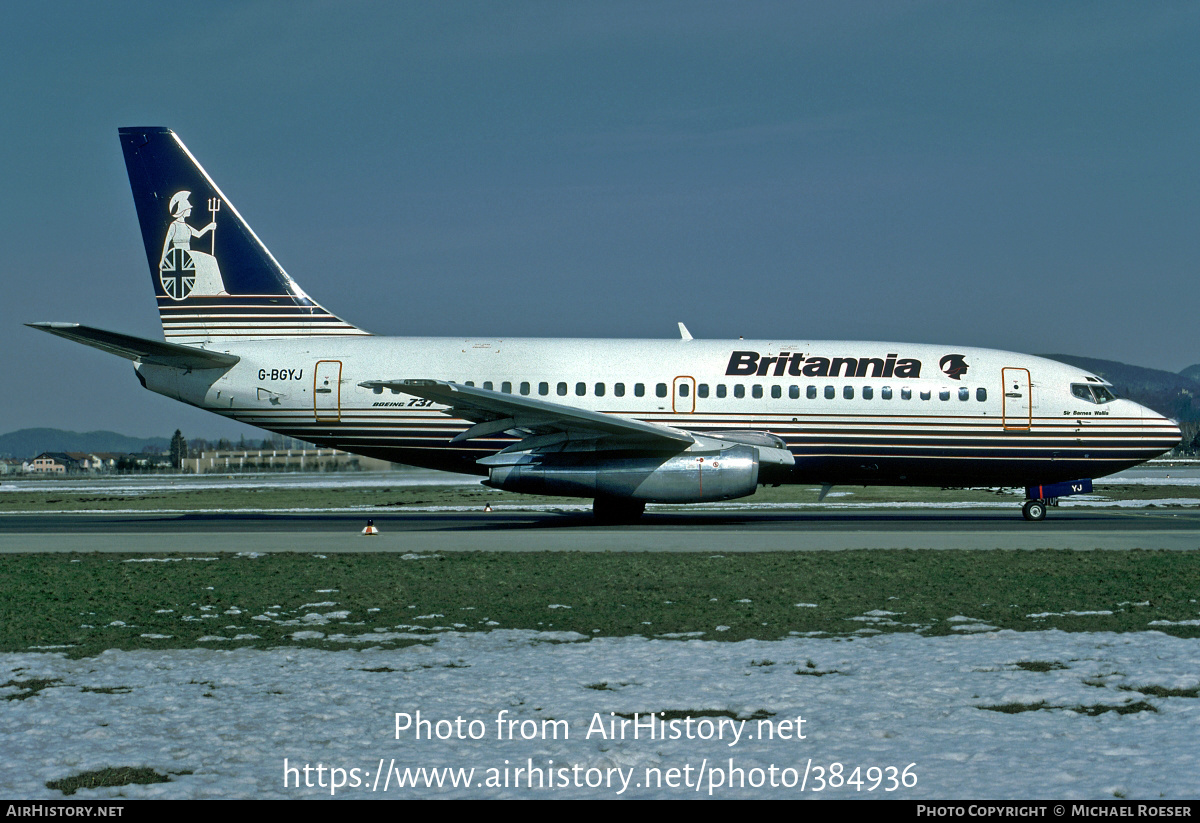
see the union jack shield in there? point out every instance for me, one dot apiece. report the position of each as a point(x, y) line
point(177, 273)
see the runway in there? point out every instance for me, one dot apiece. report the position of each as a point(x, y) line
point(1081, 529)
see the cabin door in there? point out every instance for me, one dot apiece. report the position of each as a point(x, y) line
point(327, 390)
point(683, 396)
point(1017, 398)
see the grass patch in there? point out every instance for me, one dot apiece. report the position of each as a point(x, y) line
point(683, 714)
point(244, 498)
point(93, 602)
point(1018, 708)
point(1090, 711)
point(1039, 665)
point(104, 778)
point(1160, 691)
point(29, 687)
point(1124, 708)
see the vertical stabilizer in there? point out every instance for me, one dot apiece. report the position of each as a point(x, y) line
point(214, 279)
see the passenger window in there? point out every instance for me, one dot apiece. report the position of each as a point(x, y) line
point(811, 392)
point(506, 387)
point(639, 389)
point(848, 392)
point(619, 389)
point(886, 392)
point(487, 384)
point(599, 389)
point(683, 389)
point(562, 389)
point(581, 389)
point(524, 387)
point(543, 388)
point(830, 392)
point(927, 394)
point(702, 390)
point(794, 392)
point(756, 390)
point(964, 394)
point(721, 390)
point(777, 391)
point(469, 383)
point(739, 390)
point(906, 394)
point(868, 393)
point(660, 389)
point(944, 394)
point(981, 394)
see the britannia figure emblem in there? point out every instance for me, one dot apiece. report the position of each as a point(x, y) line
point(182, 270)
point(954, 366)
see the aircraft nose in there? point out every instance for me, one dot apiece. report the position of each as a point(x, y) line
point(1166, 432)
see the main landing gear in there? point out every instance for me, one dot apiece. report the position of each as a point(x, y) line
point(614, 510)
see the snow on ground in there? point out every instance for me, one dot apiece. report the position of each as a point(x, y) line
point(133, 485)
point(888, 700)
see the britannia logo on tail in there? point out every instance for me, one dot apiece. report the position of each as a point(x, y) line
point(953, 366)
point(182, 270)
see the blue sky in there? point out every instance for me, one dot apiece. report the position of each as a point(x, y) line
point(1023, 176)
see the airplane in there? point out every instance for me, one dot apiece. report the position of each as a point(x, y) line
point(624, 422)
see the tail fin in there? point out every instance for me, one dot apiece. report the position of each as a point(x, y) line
point(214, 279)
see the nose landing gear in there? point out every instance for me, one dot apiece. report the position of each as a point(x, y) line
point(1034, 510)
point(1039, 497)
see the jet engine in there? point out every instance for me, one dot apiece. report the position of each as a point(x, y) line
point(722, 473)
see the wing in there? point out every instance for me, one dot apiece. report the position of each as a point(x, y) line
point(494, 412)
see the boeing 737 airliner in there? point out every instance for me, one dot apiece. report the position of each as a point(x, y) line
point(621, 421)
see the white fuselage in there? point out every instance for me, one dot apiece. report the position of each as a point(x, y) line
point(849, 411)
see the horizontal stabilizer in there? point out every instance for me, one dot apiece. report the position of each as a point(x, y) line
point(139, 349)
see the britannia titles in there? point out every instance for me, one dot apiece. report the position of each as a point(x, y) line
point(798, 364)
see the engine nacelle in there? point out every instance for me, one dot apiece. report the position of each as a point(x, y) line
point(690, 477)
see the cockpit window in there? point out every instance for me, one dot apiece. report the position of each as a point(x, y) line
point(1092, 394)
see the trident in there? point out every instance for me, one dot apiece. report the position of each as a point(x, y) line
point(214, 206)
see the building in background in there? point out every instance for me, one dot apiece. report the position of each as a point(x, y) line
point(233, 461)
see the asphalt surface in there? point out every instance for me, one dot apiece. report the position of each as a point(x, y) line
point(423, 532)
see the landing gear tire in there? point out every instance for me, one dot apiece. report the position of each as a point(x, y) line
point(1034, 510)
point(617, 510)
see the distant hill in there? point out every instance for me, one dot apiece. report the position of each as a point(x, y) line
point(1192, 372)
point(1168, 393)
point(32, 442)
